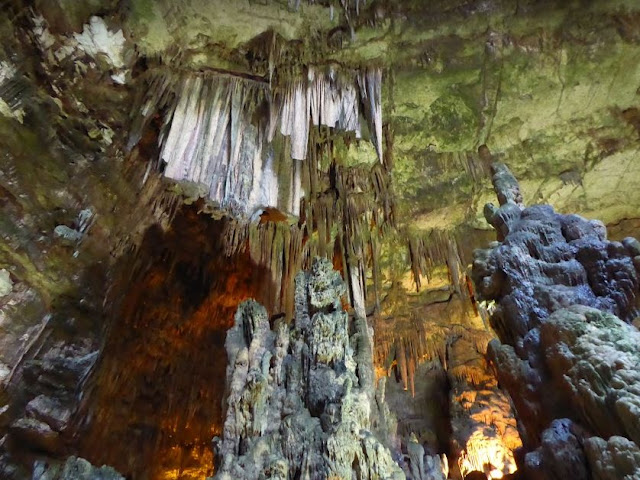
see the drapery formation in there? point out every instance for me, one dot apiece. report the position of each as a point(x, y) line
point(220, 133)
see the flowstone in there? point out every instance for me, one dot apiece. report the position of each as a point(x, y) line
point(301, 401)
point(565, 297)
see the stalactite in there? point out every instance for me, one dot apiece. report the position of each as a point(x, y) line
point(215, 138)
point(247, 145)
point(370, 85)
point(436, 248)
point(419, 341)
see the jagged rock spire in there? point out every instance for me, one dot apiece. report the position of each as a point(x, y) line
point(301, 399)
point(567, 361)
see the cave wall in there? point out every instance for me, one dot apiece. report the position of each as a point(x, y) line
point(155, 394)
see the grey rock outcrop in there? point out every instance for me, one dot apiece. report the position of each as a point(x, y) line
point(564, 300)
point(74, 468)
point(6, 284)
point(301, 401)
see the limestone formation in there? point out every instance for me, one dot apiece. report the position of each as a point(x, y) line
point(74, 468)
point(265, 118)
point(6, 285)
point(565, 296)
point(300, 400)
point(214, 144)
point(483, 428)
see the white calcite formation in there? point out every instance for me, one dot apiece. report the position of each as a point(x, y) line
point(96, 39)
point(220, 132)
point(212, 143)
point(6, 284)
point(105, 48)
point(565, 297)
point(11, 92)
point(301, 401)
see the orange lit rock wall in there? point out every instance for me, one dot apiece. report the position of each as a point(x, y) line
point(155, 397)
point(433, 344)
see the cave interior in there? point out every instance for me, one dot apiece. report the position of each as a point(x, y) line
point(319, 239)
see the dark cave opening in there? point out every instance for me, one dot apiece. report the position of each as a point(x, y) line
point(154, 400)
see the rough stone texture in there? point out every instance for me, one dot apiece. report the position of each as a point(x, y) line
point(74, 468)
point(558, 285)
point(560, 454)
point(301, 402)
point(593, 357)
point(6, 285)
point(613, 459)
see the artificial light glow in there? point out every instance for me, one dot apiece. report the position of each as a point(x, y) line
point(486, 454)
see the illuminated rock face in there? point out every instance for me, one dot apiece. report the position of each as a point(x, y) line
point(483, 428)
point(168, 345)
point(301, 401)
point(567, 360)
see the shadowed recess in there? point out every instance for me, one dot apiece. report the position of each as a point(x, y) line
point(155, 401)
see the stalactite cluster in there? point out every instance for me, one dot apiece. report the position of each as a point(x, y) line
point(426, 341)
point(250, 148)
point(219, 131)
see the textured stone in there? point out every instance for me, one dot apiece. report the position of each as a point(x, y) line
point(67, 234)
point(615, 459)
point(6, 285)
point(74, 468)
point(50, 411)
point(36, 435)
point(593, 358)
point(568, 362)
point(300, 402)
point(560, 454)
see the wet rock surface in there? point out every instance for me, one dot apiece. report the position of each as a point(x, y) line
point(564, 300)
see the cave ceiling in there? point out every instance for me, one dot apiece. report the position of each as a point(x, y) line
point(550, 87)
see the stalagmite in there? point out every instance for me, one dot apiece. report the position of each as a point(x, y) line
point(300, 400)
point(563, 294)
